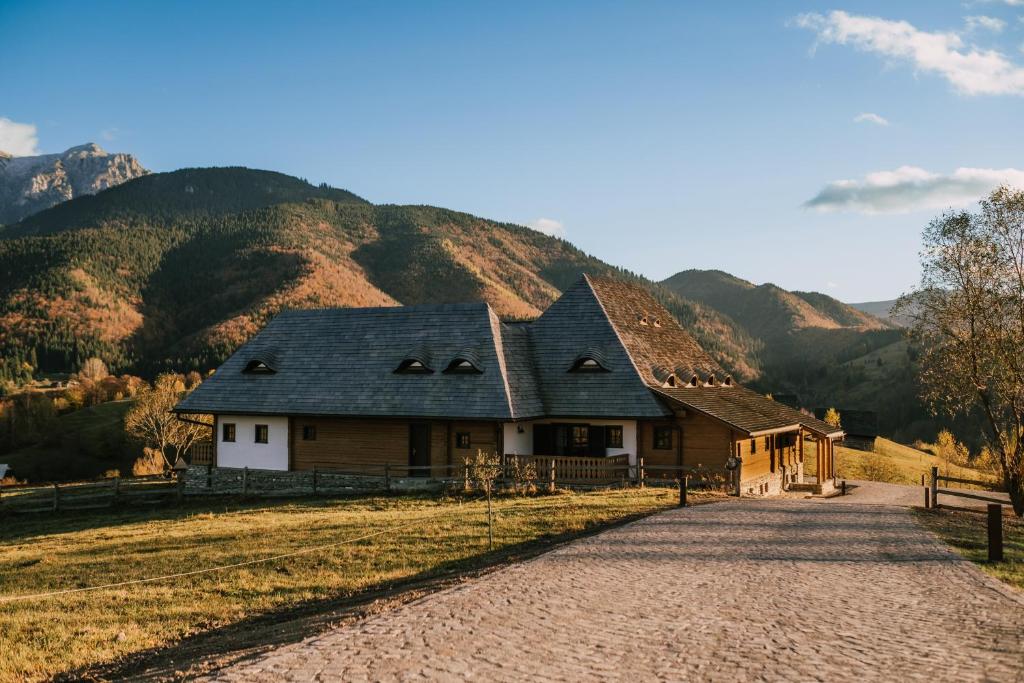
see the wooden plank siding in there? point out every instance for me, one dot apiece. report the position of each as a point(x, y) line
point(347, 443)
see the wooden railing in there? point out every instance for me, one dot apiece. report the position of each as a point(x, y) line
point(201, 453)
point(574, 469)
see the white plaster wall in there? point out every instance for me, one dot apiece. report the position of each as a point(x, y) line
point(517, 443)
point(245, 452)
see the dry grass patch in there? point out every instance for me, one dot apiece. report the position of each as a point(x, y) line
point(967, 533)
point(890, 462)
point(43, 637)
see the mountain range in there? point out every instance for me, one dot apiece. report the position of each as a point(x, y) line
point(33, 183)
point(175, 270)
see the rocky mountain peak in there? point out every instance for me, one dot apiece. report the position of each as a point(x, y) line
point(34, 183)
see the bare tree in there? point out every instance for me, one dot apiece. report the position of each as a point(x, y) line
point(151, 419)
point(968, 323)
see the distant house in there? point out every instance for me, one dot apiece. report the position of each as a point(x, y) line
point(604, 371)
point(861, 427)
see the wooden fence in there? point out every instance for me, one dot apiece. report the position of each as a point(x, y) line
point(984, 487)
point(90, 495)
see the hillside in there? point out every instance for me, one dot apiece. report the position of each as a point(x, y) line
point(31, 184)
point(177, 269)
point(825, 352)
point(883, 310)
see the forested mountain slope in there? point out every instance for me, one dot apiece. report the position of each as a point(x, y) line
point(177, 269)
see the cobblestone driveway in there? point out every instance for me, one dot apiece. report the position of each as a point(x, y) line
point(781, 590)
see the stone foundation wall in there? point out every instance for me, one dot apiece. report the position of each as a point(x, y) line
point(206, 480)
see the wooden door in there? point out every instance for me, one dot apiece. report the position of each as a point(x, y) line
point(419, 448)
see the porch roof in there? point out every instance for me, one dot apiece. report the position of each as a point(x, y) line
point(745, 410)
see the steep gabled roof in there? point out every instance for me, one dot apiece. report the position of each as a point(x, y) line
point(652, 337)
point(574, 323)
point(343, 361)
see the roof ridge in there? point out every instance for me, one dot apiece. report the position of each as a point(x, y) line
point(615, 330)
point(499, 350)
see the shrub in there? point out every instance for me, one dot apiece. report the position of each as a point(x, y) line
point(151, 462)
point(524, 475)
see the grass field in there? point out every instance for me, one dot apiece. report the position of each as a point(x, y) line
point(42, 637)
point(966, 533)
point(84, 445)
point(890, 462)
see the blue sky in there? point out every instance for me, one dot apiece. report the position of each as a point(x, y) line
point(657, 136)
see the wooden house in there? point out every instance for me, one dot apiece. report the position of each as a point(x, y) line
point(604, 372)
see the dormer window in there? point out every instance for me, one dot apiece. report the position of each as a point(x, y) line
point(694, 381)
point(585, 364)
point(643, 320)
point(413, 366)
point(258, 367)
point(591, 360)
point(727, 381)
point(657, 322)
point(670, 381)
point(711, 381)
point(462, 366)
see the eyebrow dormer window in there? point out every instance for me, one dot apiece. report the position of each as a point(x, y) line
point(727, 381)
point(657, 322)
point(413, 366)
point(670, 381)
point(694, 381)
point(258, 367)
point(642, 320)
point(586, 364)
point(462, 366)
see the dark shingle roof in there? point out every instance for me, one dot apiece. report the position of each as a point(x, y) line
point(745, 410)
point(342, 362)
point(570, 326)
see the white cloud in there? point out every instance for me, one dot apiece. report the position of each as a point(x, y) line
point(909, 188)
point(548, 226)
point(971, 70)
point(18, 139)
point(110, 134)
point(831, 285)
point(868, 117)
point(983, 22)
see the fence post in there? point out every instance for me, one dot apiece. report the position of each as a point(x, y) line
point(56, 498)
point(927, 503)
point(641, 475)
point(935, 487)
point(844, 487)
point(245, 481)
point(387, 477)
point(995, 532)
point(551, 476)
point(314, 481)
point(683, 485)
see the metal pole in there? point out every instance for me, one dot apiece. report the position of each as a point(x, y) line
point(844, 487)
point(683, 484)
point(927, 503)
point(995, 532)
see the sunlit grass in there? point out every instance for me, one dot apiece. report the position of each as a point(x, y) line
point(46, 636)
